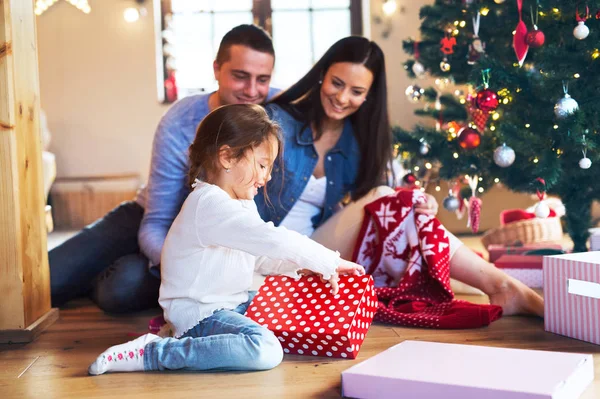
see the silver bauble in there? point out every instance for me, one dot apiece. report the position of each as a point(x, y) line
point(424, 148)
point(451, 203)
point(542, 210)
point(418, 69)
point(414, 93)
point(504, 156)
point(565, 106)
point(581, 31)
point(585, 163)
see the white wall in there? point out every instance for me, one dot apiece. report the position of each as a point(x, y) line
point(98, 84)
point(98, 88)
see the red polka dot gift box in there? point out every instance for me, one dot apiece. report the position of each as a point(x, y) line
point(308, 320)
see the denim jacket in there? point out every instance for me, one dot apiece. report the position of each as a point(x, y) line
point(299, 161)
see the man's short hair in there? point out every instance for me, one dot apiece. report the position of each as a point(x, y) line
point(247, 35)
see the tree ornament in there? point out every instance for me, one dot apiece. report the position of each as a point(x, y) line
point(498, 1)
point(469, 138)
point(585, 162)
point(414, 93)
point(445, 65)
point(424, 147)
point(504, 156)
point(477, 47)
point(451, 203)
point(409, 180)
point(486, 99)
point(519, 44)
point(447, 44)
point(581, 31)
point(473, 205)
point(566, 105)
point(542, 210)
point(417, 68)
point(535, 38)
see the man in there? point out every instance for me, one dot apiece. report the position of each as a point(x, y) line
point(105, 259)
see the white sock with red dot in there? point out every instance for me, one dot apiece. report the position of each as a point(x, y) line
point(124, 357)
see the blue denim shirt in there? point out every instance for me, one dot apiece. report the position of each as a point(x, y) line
point(299, 161)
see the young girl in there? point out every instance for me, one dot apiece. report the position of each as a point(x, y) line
point(213, 248)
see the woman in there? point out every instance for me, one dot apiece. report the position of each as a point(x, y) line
point(338, 148)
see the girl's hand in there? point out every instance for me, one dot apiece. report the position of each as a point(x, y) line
point(350, 269)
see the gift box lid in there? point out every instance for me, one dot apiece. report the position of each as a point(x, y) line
point(520, 262)
point(427, 370)
point(588, 257)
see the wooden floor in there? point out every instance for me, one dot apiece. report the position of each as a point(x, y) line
point(55, 365)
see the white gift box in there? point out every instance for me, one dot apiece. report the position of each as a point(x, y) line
point(572, 295)
point(595, 239)
point(430, 370)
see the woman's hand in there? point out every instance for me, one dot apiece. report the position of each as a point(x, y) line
point(428, 208)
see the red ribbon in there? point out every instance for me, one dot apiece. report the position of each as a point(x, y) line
point(540, 195)
point(587, 14)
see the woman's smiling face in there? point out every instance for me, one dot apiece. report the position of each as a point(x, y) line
point(345, 87)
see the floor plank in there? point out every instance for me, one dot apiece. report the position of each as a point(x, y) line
point(65, 350)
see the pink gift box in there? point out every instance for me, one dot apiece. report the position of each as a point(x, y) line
point(430, 370)
point(525, 268)
point(496, 251)
point(572, 295)
point(309, 321)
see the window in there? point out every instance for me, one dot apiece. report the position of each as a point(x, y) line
point(191, 30)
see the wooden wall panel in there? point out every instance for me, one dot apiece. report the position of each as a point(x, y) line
point(24, 273)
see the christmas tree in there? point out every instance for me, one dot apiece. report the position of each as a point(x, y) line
point(528, 117)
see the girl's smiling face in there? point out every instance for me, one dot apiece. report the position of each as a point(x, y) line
point(252, 171)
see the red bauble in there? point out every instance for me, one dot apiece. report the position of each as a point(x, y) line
point(469, 138)
point(486, 100)
point(409, 180)
point(535, 38)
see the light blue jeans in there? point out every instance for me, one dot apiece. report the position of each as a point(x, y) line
point(227, 340)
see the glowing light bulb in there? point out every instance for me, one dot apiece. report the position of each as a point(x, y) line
point(131, 14)
point(389, 7)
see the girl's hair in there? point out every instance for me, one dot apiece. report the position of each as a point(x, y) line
point(239, 126)
point(371, 122)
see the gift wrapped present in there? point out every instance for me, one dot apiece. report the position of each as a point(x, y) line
point(308, 320)
point(572, 295)
point(495, 251)
point(525, 268)
point(432, 370)
point(595, 239)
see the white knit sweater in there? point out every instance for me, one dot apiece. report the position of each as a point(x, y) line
point(213, 248)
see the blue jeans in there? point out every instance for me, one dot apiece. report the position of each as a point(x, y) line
point(104, 261)
point(227, 340)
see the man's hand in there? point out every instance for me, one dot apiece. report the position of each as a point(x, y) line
point(428, 208)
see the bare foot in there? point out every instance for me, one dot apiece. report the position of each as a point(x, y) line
point(516, 298)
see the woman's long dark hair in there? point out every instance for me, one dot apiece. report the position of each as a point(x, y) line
point(371, 121)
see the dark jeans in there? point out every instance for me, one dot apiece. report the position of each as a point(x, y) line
point(104, 261)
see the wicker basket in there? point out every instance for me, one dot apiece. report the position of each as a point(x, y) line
point(525, 232)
